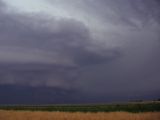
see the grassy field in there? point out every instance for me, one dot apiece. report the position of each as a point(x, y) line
point(128, 111)
point(130, 107)
point(26, 115)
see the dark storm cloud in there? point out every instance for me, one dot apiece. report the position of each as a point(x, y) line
point(109, 50)
point(134, 27)
point(38, 50)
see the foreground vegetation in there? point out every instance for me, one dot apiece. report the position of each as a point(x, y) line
point(130, 107)
point(24, 115)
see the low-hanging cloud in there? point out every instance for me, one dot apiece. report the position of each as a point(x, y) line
point(105, 48)
point(132, 26)
point(45, 51)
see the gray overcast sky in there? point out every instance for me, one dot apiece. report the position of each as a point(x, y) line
point(103, 50)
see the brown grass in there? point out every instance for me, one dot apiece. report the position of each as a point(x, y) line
point(24, 115)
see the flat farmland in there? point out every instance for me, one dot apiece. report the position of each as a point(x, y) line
point(128, 111)
point(28, 115)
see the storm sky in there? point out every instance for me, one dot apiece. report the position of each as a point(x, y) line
point(79, 51)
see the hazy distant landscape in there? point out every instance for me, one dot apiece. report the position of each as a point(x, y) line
point(134, 107)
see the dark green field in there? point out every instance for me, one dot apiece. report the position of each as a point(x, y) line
point(130, 107)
